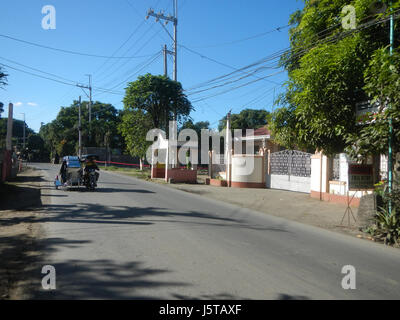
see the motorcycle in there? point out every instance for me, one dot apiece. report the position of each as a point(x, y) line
point(90, 179)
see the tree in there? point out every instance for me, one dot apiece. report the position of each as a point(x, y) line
point(61, 135)
point(134, 126)
point(246, 119)
point(36, 150)
point(160, 98)
point(18, 129)
point(326, 66)
point(3, 78)
point(197, 126)
point(3, 82)
point(382, 86)
point(149, 103)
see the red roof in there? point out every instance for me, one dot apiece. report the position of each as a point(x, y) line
point(261, 132)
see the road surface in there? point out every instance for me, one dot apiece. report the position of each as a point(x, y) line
point(133, 239)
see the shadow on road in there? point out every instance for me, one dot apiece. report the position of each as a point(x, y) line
point(119, 190)
point(75, 279)
point(104, 279)
point(284, 296)
point(89, 213)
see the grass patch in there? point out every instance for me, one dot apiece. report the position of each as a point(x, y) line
point(137, 173)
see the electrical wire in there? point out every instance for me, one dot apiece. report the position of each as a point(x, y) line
point(244, 39)
point(275, 56)
point(69, 51)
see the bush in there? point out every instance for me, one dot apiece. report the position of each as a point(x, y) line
point(386, 227)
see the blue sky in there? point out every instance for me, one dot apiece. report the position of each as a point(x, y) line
point(208, 27)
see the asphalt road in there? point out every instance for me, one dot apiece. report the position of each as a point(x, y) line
point(139, 240)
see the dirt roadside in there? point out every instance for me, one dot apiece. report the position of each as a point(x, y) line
point(20, 234)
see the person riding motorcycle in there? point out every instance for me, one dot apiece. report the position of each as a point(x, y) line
point(90, 164)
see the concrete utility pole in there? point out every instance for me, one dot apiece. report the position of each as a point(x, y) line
point(90, 98)
point(23, 129)
point(80, 130)
point(174, 20)
point(228, 148)
point(89, 87)
point(390, 153)
point(165, 51)
point(176, 40)
point(9, 127)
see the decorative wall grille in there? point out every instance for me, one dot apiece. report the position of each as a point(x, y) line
point(291, 162)
point(336, 168)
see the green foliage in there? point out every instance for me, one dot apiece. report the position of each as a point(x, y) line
point(159, 97)
point(61, 135)
point(18, 132)
point(382, 86)
point(198, 126)
point(134, 126)
point(149, 103)
point(246, 119)
point(3, 78)
point(283, 123)
point(328, 75)
point(386, 227)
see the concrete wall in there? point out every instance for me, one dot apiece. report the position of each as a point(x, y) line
point(157, 172)
point(292, 183)
point(182, 175)
point(334, 191)
point(248, 168)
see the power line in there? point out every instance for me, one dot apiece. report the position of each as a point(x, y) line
point(279, 54)
point(127, 79)
point(70, 51)
point(218, 62)
point(122, 45)
point(126, 61)
point(69, 83)
point(39, 76)
point(244, 39)
point(237, 87)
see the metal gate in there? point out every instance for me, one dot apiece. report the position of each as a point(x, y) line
point(290, 170)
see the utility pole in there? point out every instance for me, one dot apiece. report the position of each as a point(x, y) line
point(80, 130)
point(176, 40)
point(90, 106)
point(23, 141)
point(89, 87)
point(165, 52)
point(390, 155)
point(9, 127)
point(90, 98)
point(228, 148)
point(174, 20)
